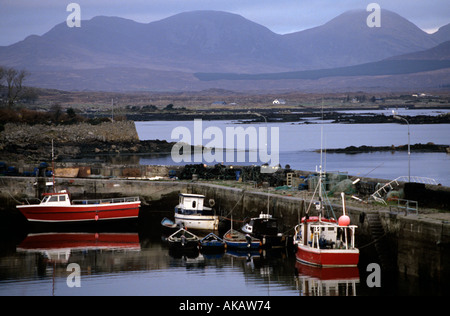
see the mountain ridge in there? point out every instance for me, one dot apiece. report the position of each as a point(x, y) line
point(205, 42)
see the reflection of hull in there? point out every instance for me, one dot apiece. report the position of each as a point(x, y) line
point(78, 213)
point(318, 281)
point(46, 241)
point(200, 222)
point(327, 257)
point(341, 273)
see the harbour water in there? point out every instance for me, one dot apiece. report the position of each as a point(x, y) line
point(299, 142)
point(132, 263)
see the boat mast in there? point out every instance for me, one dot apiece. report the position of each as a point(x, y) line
point(53, 168)
point(320, 167)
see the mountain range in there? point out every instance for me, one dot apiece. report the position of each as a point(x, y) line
point(213, 49)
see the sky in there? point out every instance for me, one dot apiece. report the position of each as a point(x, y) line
point(21, 18)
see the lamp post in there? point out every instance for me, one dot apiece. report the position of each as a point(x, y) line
point(397, 117)
point(267, 129)
point(268, 182)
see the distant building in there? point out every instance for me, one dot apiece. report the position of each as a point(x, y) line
point(279, 101)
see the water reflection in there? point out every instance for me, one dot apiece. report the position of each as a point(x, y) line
point(313, 281)
point(127, 264)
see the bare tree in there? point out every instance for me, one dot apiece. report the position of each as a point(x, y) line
point(2, 74)
point(14, 81)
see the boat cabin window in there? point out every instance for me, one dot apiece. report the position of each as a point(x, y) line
point(194, 204)
point(53, 199)
point(62, 198)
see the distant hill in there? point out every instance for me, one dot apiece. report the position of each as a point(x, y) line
point(429, 60)
point(111, 53)
point(443, 34)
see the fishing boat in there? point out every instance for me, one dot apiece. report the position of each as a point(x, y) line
point(236, 239)
point(58, 208)
point(265, 228)
point(192, 214)
point(183, 239)
point(321, 240)
point(325, 242)
point(212, 242)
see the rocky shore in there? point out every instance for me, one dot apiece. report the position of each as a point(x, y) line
point(34, 142)
point(429, 147)
point(297, 116)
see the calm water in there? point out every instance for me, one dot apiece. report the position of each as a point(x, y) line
point(130, 264)
point(298, 142)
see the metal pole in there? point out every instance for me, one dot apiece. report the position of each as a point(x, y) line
point(409, 154)
point(409, 146)
point(268, 182)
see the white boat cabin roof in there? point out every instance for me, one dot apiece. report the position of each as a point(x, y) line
point(60, 198)
point(191, 201)
point(192, 195)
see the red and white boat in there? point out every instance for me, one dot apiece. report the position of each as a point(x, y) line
point(325, 242)
point(58, 208)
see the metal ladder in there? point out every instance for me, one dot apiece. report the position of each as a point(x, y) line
point(378, 194)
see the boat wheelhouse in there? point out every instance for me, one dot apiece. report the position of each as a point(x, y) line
point(191, 213)
point(265, 228)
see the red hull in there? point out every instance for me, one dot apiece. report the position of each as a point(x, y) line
point(328, 257)
point(75, 213)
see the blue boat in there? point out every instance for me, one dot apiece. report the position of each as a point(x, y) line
point(237, 240)
point(212, 242)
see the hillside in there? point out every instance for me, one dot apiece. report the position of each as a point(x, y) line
point(116, 54)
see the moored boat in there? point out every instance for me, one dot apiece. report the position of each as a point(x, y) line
point(321, 240)
point(192, 214)
point(58, 208)
point(212, 242)
point(265, 228)
point(325, 242)
point(238, 240)
point(183, 239)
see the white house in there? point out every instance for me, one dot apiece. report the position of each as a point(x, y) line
point(279, 101)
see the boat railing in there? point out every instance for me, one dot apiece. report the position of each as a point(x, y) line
point(107, 201)
point(346, 240)
point(31, 201)
point(407, 206)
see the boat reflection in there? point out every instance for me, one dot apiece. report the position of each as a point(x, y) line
point(60, 247)
point(316, 281)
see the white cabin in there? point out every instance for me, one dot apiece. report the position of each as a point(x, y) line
point(191, 202)
point(60, 199)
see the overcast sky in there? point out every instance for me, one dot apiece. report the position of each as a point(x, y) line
point(20, 18)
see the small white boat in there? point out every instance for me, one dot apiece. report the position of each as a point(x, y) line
point(192, 214)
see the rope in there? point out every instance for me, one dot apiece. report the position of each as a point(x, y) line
point(226, 216)
point(234, 220)
point(372, 242)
